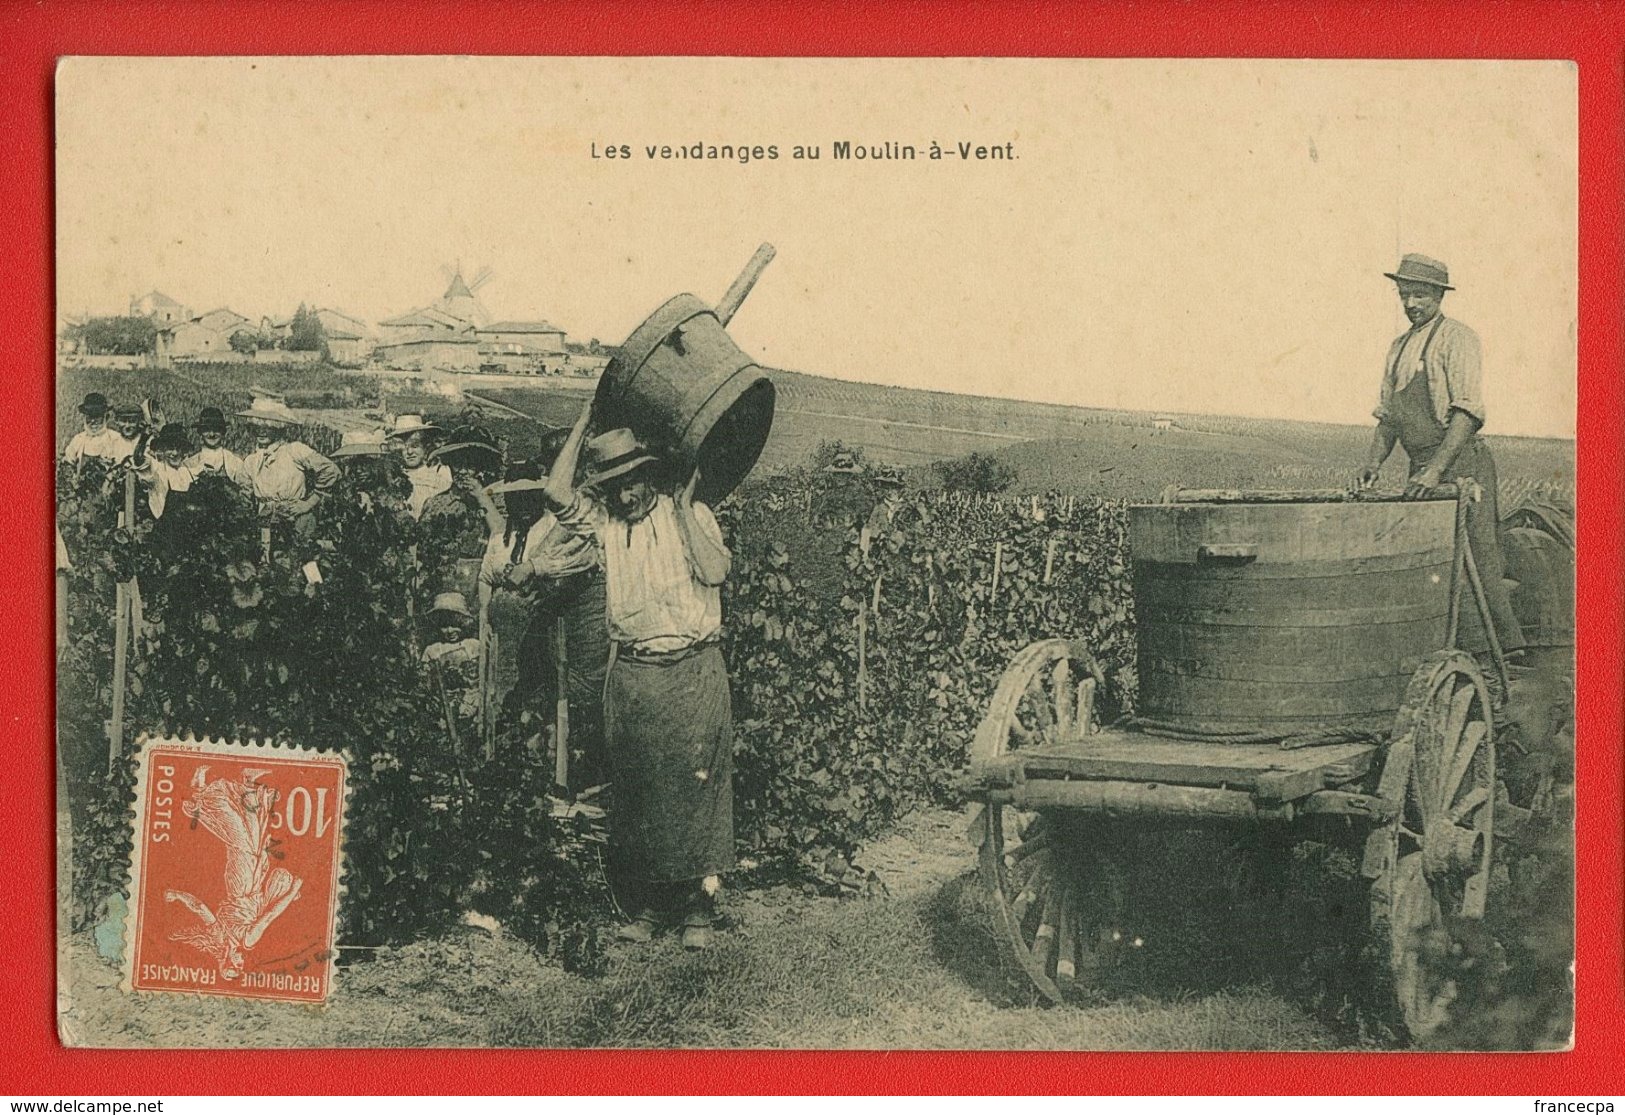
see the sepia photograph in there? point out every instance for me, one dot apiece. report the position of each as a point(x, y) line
point(791, 553)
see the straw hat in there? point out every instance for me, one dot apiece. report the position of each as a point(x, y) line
point(408, 424)
point(451, 603)
point(615, 453)
point(359, 443)
point(268, 409)
point(1415, 268)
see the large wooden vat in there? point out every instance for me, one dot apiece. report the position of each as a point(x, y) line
point(1286, 616)
point(683, 386)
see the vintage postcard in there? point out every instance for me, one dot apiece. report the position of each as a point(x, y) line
point(816, 553)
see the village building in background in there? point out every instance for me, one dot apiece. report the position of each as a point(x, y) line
point(455, 333)
point(161, 308)
point(205, 337)
point(350, 340)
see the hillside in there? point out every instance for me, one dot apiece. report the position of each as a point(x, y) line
point(1106, 452)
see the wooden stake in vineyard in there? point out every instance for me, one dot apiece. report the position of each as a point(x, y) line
point(863, 654)
point(121, 637)
point(561, 707)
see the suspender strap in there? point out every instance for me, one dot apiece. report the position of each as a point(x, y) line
point(1427, 347)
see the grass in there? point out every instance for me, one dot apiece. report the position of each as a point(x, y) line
point(918, 972)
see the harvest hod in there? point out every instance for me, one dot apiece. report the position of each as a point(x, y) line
point(1298, 667)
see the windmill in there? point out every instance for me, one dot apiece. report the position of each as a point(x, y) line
point(460, 300)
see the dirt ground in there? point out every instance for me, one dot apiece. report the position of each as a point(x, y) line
point(912, 966)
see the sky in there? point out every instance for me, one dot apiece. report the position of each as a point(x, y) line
point(1192, 236)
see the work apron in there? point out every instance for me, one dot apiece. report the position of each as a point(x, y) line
point(1411, 415)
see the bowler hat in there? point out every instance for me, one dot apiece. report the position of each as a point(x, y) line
point(95, 404)
point(1414, 268)
point(615, 453)
point(210, 421)
point(172, 436)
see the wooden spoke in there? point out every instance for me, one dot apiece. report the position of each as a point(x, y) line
point(1469, 748)
point(1452, 736)
point(1066, 959)
point(1061, 691)
point(1432, 862)
point(1048, 924)
point(1024, 849)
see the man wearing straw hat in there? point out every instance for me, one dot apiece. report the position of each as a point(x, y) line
point(667, 719)
point(288, 477)
point(1432, 406)
point(98, 438)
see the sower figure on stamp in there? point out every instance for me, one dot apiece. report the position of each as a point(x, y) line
point(1432, 406)
point(668, 726)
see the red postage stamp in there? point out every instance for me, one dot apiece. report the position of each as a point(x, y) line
point(235, 870)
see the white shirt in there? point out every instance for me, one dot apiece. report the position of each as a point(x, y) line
point(106, 442)
point(428, 481)
point(161, 479)
point(219, 459)
point(656, 601)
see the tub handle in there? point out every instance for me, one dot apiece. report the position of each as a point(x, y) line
point(1226, 553)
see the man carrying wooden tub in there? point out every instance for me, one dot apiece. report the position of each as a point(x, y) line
point(667, 714)
point(1432, 405)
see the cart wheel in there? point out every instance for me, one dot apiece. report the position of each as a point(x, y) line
point(1034, 867)
point(1433, 860)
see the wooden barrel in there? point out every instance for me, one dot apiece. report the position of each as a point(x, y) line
point(1287, 616)
point(681, 384)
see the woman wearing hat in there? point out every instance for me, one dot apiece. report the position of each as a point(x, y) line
point(667, 720)
point(212, 455)
point(1432, 405)
point(415, 439)
point(97, 439)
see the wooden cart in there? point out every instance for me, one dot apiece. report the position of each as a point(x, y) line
point(1420, 790)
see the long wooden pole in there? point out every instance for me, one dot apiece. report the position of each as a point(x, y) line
point(1489, 620)
point(61, 610)
point(741, 286)
point(1457, 564)
point(561, 705)
point(121, 638)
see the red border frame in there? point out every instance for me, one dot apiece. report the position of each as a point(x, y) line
point(36, 34)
